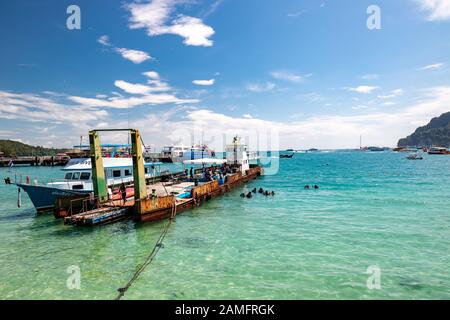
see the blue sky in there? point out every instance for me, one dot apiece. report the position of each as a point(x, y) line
point(306, 73)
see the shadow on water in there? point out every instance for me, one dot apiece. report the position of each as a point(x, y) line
point(26, 214)
point(193, 242)
point(410, 283)
point(116, 228)
point(179, 295)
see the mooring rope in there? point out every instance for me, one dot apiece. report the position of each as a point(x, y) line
point(147, 261)
point(152, 254)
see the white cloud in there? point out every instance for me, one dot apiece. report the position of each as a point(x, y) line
point(258, 87)
point(151, 75)
point(322, 131)
point(295, 14)
point(209, 82)
point(135, 56)
point(394, 93)
point(371, 76)
point(133, 88)
point(363, 89)
point(193, 30)
point(288, 76)
point(247, 116)
point(434, 66)
point(35, 108)
point(360, 107)
point(129, 102)
point(137, 88)
point(154, 16)
point(104, 40)
point(438, 10)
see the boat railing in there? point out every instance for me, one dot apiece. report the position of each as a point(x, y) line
point(34, 180)
point(92, 202)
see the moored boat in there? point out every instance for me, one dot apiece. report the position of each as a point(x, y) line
point(438, 150)
point(77, 180)
point(165, 199)
point(414, 156)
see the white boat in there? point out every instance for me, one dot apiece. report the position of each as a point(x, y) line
point(181, 153)
point(78, 180)
point(414, 156)
point(438, 150)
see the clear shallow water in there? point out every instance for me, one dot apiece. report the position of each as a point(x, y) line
point(371, 209)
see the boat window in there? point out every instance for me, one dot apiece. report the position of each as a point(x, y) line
point(85, 176)
point(77, 187)
point(146, 170)
point(68, 176)
point(116, 173)
point(75, 176)
point(127, 172)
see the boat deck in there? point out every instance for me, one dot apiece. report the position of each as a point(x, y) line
point(164, 200)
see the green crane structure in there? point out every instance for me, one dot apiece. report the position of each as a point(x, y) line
point(98, 172)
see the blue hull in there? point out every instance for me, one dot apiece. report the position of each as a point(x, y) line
point(43, 198)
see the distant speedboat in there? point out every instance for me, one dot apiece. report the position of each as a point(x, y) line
point(377, 149)
point(286, 156)
point(438, 150)
point(414, 156)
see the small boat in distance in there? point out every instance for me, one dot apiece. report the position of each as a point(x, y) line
point(414, 156)
point(438, 150)
point(286, 156)
point(375, 149)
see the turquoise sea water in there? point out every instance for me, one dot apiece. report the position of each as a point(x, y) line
point(372, 209)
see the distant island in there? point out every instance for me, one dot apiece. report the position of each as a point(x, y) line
point(435, 133)
point(11, 148)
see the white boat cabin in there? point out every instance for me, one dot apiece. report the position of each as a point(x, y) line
point(78, 173)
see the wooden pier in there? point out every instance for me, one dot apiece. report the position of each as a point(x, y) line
point(163, 202)
point(162, 199)
point(34, 161)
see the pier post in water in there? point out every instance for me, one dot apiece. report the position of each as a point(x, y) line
point(98, 172)
point(140, 188)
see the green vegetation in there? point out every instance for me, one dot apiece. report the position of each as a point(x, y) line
point(11, 148)
point(435, 133)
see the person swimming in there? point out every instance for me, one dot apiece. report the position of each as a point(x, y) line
point(316, 186)
point(261, 190)
point(254, 190)
point(242, 195)
point(272, 193)
point(249, 195)
point(307, 187)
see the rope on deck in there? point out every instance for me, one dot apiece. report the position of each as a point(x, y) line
point(152, 254)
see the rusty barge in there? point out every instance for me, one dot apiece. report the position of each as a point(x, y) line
point(163, 199)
